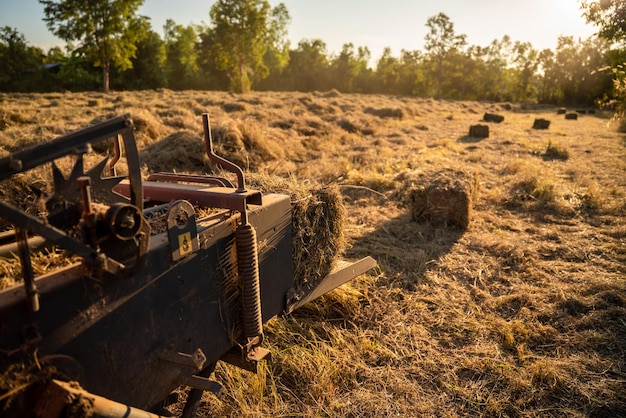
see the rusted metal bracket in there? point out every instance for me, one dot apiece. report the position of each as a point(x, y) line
point(194, 361)
point(247, 358)
point(201, 383)
point(182, 231)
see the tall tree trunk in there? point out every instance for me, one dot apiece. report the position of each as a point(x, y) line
point(105, 76)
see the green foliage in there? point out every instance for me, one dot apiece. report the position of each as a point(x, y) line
point(245, 33)
point(181, 64)
point(619, 93)
point(20, 64)
point(441, 42)
point(526, 61)
point(277, 55)
point(349, 70)
point(212, 76)
point(148, 65)
point(105, 31)
point(609, 16)
point(308, 67)
point(75, 74)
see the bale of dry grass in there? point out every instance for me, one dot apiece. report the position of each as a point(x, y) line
point(571, 116)
point(493, 117)
point(442, 197)
point(479, 131)
point(541, 123)
point(318, 220)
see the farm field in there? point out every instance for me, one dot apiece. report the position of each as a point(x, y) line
point(522, 314)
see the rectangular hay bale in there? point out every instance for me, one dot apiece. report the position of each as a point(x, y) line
point(444, 197)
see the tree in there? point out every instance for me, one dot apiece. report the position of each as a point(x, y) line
point(495, 80)
point(576, 64)
point(147, 70)
point(526, 61)
point(181, 55)
point(609, 15)
point(20, 64)
point(308, 67)
point(244, 32)
point(440, 42)
point(350, 71)
point(277, 54)
point(548, 87)
point(388, 73)
point(105, 31)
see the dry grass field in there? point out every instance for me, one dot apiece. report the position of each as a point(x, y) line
point(522, 314)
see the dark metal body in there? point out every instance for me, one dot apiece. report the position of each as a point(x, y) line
point(119, 329)
point(144, 313)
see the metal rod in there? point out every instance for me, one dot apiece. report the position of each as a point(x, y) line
point(195, 395)
point(34, 243)
point(32, 296)
point(48, 151)
point(222, 162)
point(62, 393)
point(116, 156)
point(190, 178)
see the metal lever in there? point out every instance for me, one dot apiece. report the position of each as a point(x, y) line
point(222, 162)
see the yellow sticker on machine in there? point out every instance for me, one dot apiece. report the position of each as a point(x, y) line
point(184, 243)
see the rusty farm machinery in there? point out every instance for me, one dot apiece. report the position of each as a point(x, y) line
point(143, 306)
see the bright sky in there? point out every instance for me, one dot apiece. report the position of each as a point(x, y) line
point(399, 24)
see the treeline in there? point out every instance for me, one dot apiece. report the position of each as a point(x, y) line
point(200, 57)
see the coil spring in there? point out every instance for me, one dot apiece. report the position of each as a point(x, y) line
point(248, 267)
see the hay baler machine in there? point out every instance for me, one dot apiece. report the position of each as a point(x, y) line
point(169, 276)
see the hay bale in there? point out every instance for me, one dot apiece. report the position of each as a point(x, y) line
point(493, 117)
point(479, 131)
point(443, 198)
point(541, 124)
point(571, 116)
point(318, 219)
point(561, 111)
